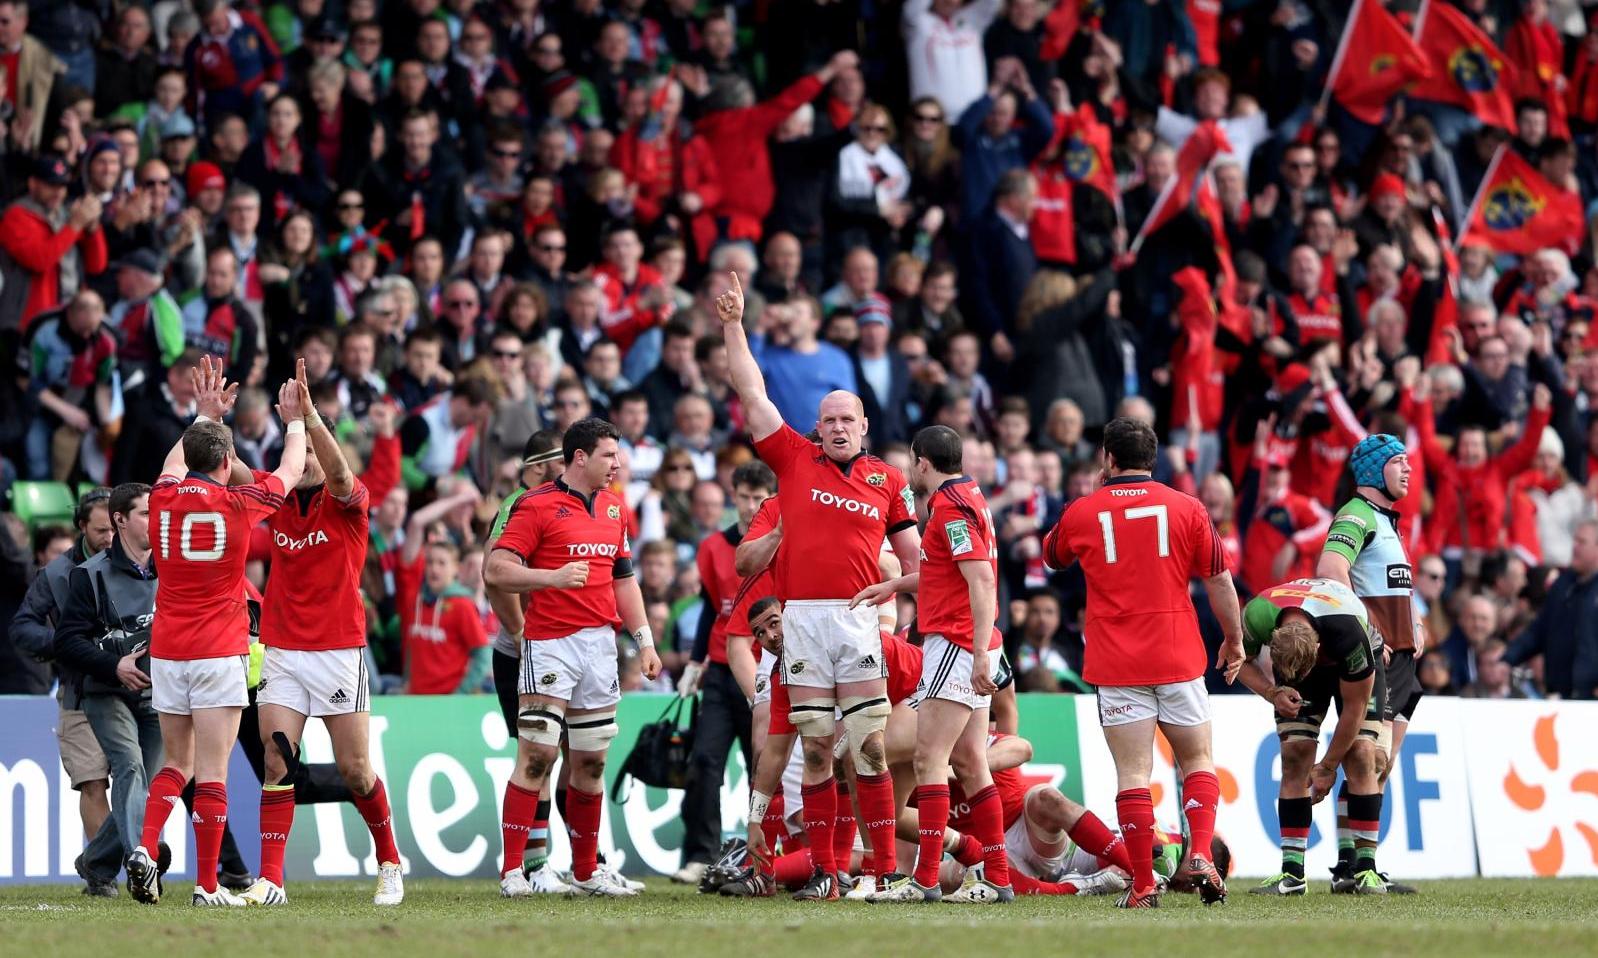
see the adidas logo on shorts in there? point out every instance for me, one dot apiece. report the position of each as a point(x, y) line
point(867, 662)
point(339, 698)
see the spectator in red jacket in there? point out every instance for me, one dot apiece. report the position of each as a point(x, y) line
point(1467, 518)
point(737, 139)
point(1285, 528)
point(635, 298)
point(53, 247)
point(676, 175)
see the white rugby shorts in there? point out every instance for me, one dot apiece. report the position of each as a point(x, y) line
point(1178, 703)
point(946, 673)
point(579, 669)
point(826, 644)
point(314, 683)
point(179, 686)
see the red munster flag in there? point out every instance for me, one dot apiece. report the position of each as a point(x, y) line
point(1468, 70)
point(1086, 151)
point(1191, 162)
point(1516, 210)
point(1376, 59)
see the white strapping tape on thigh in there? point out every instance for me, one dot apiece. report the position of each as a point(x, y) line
point(541, 724)
point(591, 732)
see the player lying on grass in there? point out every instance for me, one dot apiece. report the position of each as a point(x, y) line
point(1321, 648)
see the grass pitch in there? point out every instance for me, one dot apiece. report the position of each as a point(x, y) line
point(449, 918)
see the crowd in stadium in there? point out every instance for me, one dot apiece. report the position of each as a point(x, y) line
point(475, 221)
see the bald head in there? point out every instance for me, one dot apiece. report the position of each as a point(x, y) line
point(841, 421)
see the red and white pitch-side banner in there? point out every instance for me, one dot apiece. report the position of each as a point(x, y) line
point(1426, 823)
point(1533, 770)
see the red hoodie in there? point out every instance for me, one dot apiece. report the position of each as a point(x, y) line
point(665, 168)
point(625, 320)
point(37, 249)
point(1468, 507)
point(737, 140)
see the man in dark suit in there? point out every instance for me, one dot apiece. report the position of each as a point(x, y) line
point(1001, 261)
point(883, 376)
point(158, 412)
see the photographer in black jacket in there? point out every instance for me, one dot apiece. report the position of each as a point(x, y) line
point(102, 646)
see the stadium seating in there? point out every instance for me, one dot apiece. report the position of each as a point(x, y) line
point(39, 503)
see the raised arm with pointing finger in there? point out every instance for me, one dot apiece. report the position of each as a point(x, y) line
point(759, 411)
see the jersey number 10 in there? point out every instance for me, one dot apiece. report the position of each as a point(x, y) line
point(186, 549)
point(1162, 526)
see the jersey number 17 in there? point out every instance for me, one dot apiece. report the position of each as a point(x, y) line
point(1162, 525)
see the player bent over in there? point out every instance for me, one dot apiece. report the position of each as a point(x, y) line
point(566, 543)
point(957, 587)
point(313, 624)
point(1301, 622)
point(838, 505)
point(1139, 543)
point(199, 641)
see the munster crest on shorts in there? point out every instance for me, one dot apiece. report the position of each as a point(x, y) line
point(877, 479)
point(796, 668)
point(548, 678)
point(613, 512)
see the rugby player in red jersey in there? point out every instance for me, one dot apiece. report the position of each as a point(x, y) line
point(724, 713)
point(839, 504)
point(200, 639)
point(566, 543)
point(957, 587)
point(1139, 543)
point(313, 624)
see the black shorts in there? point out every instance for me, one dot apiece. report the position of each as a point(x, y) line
point(1320, 689)
point(507, 672)
point(1403, 687)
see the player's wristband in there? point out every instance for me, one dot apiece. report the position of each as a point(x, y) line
point(314, 421)
point(295, 428)
point(758, 803)
point(644, 637)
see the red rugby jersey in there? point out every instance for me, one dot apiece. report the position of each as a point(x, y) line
point(904, 667)
point(313, 596)
point(721, 582)
point(551, 526)
point(959, 529)
point(763, 583)
point(1139, 542)
point(201, 532)
point(838, 515)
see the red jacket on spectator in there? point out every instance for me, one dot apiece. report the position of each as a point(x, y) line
point(1469, 504)
point(625, 320)
point(737, 140)
point(1323, 457)
point(666, 167)
point(37, 249)
point(1288, 518)
point(1318, 318)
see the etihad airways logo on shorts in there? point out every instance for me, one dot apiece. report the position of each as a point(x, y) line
point(315, 537)
point(606, 549)
point(847, 505)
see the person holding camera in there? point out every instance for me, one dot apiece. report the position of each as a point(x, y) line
point(102, 649)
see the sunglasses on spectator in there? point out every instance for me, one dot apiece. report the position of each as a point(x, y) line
point(873, 129)
point(457, 303)
point(550, 248)
point(928, 118)
point(348, 207)
point(508, 154)
point(507, 354)
point(152, 184)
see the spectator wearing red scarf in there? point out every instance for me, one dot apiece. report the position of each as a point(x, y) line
point(288, 175)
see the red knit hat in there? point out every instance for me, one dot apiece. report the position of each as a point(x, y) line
point(1385, 184)
point(204, 176)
